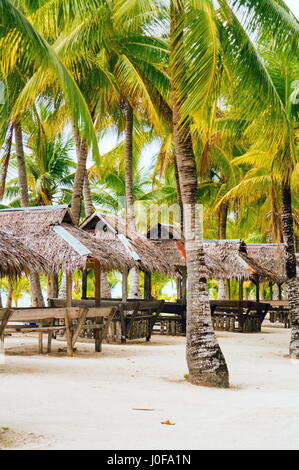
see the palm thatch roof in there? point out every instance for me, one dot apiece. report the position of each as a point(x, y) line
point(16, 258)
point(116, 230)
point(225, 259)
point(269, 255)
point(50, 232)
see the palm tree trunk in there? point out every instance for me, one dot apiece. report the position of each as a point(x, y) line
point(134, 273)
point(5, 160)
point(36, 291)
point(89, 209)
point(179, 195)
point(82, 152)
point(129, 165)
point(222, 223)
point(105, 288)
point(134, 292)
point(205, 360)
point(290, 267)
point(22, 176)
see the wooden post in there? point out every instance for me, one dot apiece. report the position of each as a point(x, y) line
point(84, 284)
point(229, 289)
point(184, 287)
point(179, 288)
point(147, 286)
point(241, 289)
point(279, 291)
point(125, 285)
point(69, 288)
point(257, 288)
point(97, 295)
point(271, 290)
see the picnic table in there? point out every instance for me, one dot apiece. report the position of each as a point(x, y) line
point(279, 312)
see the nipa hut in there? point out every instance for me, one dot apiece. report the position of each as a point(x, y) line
point(16, 258)
point(50, 232)
point(225, 259)
point(107, 227)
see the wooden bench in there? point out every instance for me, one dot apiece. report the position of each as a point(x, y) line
point(279, 312)
point(230, 315)
point(133, 319)
point(50, 320)
point(243, 316)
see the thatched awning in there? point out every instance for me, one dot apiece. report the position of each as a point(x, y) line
point(225, 259)
point(115, 230)
point(50, 232)
point(17, 259)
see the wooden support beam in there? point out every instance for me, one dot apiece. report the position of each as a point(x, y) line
point(84, 283)
point(241, 281)
point(184, 287)
point(97, 285)
point(179, 288)
point(147, 286)
point(271, 290)
point(5, 319)
point(97, 295)
point(257, 287)
point(80, 324)
point(125, 285)
point(68, 321)
point(279, 291)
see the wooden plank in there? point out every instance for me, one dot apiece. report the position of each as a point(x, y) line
point(6, 314)
point(69, 288)
point(38, 314)
point(129, 329)
point(108, 323)
point(82, 318)
point(125, 285)
point(68, 334)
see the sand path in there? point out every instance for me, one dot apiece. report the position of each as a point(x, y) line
point(99, 401)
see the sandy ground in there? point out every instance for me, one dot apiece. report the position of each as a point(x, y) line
point(117, 399)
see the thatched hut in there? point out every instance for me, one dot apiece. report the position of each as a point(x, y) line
point(107, 227)
point(50, 232)
point(225, 259)
point(16, 258)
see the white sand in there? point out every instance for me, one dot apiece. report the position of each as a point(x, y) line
point(88, 401)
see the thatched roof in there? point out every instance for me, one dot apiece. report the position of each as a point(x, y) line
point(225, 259)
point(50, 232)
point(269, 255)
point(116, 230)
point(16, 258)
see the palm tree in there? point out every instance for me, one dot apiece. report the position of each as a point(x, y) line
point(207, 42)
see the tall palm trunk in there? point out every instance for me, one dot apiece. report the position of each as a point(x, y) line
point(222, 223)
point(179, 195)
point(5, 162)
point(290, 266)
point(81, 152)
point(129, 164)
point(129, 116)
point(89, 209)
point(36, 291)
point(205, 360)
point(22, 176)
